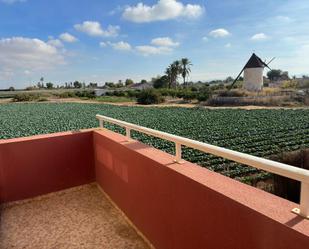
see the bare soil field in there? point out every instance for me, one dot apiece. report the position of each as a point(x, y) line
point(168, 103)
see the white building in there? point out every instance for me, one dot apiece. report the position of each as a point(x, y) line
point(253, 73)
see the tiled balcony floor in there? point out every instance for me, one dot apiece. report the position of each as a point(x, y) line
point(80, 217)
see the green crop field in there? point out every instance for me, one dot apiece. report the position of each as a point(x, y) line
point(257, 132)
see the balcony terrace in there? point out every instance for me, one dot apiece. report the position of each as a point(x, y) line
point(79, 217)
point(98, 189)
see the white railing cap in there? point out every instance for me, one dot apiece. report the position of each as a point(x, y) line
point(282, 169)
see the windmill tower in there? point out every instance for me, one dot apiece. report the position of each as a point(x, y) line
point(253, 74)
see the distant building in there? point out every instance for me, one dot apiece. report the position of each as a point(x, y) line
point(141, 86)
point(253, 73)
point(100, 92)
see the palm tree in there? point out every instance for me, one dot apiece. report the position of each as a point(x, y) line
point(185, 69)
point(175, 71)
point(42, 82)
point(168, 73)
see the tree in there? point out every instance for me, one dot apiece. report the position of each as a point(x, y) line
point(143, 81)
point(149, 96)
point(119, 84)
point(49, 85)
point(129, 82)
point(92, 85)
point(110, 84)
point(274, 74)
point(161, 82)
point(11, 88)
point(168, 73)
point(229, 79)
point(172, 72)
point(41, 83)
point(77, 84)
point(185, 69)
point(284, 75)
point(277, 74)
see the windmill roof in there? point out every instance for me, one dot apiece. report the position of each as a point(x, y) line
point(255, 61)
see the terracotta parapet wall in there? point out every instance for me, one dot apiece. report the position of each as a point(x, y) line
point(186, 206)
point(42, 164)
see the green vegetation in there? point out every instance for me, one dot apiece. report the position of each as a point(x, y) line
point(178, 68)
point(257, 132)
point(277, 74)
point(148, 97)
point(129, 82)
point(114, 99)
point(21, 97)
point(25, 96)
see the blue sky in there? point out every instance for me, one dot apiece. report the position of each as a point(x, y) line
point(99, 41)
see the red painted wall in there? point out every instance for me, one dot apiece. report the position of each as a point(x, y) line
point(42, 164)
point(186, 206)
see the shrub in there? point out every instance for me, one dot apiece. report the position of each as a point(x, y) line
point(194, 88)
point(165, 91)
point(133, 93)
point(42, 99)
point(289, 84)
point(116, 93)
point(161, 82)
point(171, 92)
point(203, 97)
point(85, 94)
point(64, 95)
point(148, 97)
point(189, 95)
point(204, 94)
point(119, 93)
point(236, 93)
point(25, 97)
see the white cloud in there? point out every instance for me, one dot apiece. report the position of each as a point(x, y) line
point(228, 45)
point(219, 33)
point(159, 45)
point(116, 10)
point(20, 53)
point(205, 38)
point(164, 42)
point(283, 19)
point(55, 42)
point(162, 10)
point(124, 46)
point(152, 50)
point(12, 1)
point(259, 37)
point(94, 29)
point(66, 37)
point(103, 44)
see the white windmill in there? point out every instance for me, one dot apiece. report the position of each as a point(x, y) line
point(253, 73)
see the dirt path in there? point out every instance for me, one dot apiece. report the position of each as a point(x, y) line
point(171, 103)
